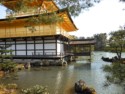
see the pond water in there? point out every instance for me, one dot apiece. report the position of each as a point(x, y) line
point(60, 80)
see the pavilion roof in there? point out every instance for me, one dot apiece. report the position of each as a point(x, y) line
point(83, 42)
point(67, 24)
point(47, 3)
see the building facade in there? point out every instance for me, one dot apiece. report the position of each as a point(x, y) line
point(41, 40)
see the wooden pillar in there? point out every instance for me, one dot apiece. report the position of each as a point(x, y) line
point(15, 30)
point(43, 47)
point(63, 46)
point(15, 47)
point(26, 45)
point(5, 45)
point(56, 45)
point(34, 46)
point(5, 32)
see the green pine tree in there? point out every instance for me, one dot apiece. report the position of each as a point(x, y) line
point(6, 62)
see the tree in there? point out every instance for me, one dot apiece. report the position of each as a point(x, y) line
point(117, 42)
point(115, 74)
point(116, 71)
point(101, 40)
point(122, 0)
point(6, 63)
point(75, 6)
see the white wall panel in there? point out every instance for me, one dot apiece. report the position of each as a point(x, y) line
point(21, 52)
point(13, 47)
point(2, 42)
point(50, 46)
point(13, 53)
point(60, 48)
point(21, 47)
point(30, 46)
point(9, 48)
point(58, 40)
point(50, 52)
point(39, 52)
point(30, 52)
point(39, 46)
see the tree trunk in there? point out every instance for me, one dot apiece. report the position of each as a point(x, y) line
point(118, 53)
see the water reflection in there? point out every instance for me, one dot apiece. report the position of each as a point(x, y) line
point(60, 80)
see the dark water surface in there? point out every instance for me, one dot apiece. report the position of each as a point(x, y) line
point(60, 80)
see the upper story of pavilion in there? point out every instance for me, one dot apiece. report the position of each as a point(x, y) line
point(29, 7)
point(17, 23)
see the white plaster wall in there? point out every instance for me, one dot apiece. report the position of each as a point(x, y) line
point(2, 42)
point(21, 47)
point(50, 52)
point(13, 47)
point(13, 53)
point(60, 48)
point(39, 46)
point(30, 46)
point(21, 52)
point(9, 48)
point(50, 46)
point(39, 52)
point(30, 52)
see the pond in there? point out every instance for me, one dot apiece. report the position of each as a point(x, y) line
point(60, 80)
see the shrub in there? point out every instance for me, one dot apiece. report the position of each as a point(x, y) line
point(8, 66)
point(37, 89)
point(11, 86)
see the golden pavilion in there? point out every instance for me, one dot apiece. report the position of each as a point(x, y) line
point(30, 40)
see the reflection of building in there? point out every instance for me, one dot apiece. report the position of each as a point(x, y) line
point(47, 40)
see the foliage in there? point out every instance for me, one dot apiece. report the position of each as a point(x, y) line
point(11, 86)
point(117, 41)
point(8, 89)
point(50, 18)
point(37, 89)
point(3, 53)
point(109, 49)
point(6, 63)
point(101, 40)
point(74, 37)
point(122, 0)
point(2, 87)
point(76, 6)
point(8, 66)
point(116, 74)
